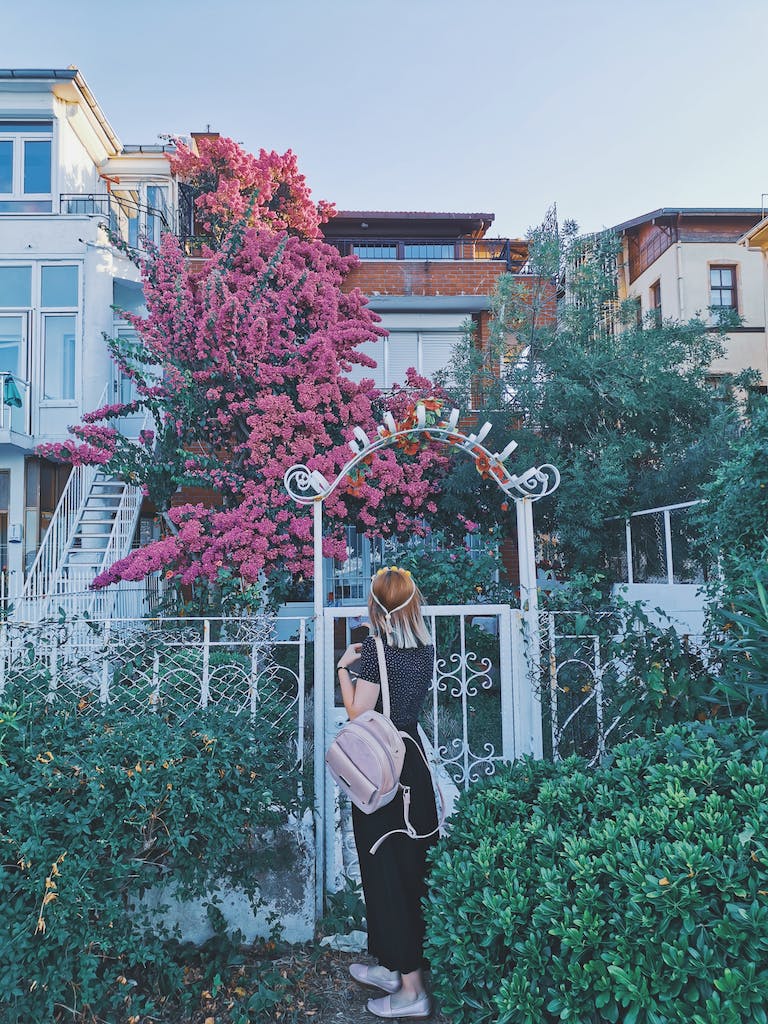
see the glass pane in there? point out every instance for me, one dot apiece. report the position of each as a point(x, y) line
point(429, 251)
point(16, 287)
point(10, 344)
point(59, 368)
point(714, 276)
point(59, 286)
point(726, 276)
point(25, 205)
point(374, 251)
point(6, 166)
point(37, 167)
point(26, 126)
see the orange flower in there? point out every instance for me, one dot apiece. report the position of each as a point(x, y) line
point(483, 465)
point(432, 404)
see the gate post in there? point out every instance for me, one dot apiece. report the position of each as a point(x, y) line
point(318, 705)
point(530, 705)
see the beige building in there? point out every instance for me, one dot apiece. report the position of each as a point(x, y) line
point(680, 263)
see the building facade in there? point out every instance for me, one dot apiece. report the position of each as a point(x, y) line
point(429, 276)
point(65, 182)
point(681, 263)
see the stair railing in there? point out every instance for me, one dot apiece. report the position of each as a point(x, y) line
point(120, 540)
point(58, 536)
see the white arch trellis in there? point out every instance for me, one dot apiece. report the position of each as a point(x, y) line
point(310, 487)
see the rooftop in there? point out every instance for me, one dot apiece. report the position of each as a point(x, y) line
point(666, 212)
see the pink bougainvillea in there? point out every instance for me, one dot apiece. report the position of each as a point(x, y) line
point(233, 185)
point(242, 363)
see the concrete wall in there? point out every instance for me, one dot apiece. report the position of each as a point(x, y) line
point(683, 603)
point(286, 893)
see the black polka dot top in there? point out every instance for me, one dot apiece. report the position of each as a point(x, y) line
point(409, 672)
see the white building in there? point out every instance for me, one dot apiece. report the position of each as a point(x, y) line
point(65, 180)
point(679, 263)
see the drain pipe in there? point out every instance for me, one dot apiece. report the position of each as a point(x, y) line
point(678, 266)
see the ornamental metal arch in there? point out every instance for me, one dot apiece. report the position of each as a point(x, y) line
point(310, 487)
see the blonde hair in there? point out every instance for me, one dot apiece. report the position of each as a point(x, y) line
point(394, 607)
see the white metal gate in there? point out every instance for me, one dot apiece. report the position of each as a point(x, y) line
point(483, 709)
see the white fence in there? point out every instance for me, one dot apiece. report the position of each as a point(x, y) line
point(171, 666)
point(593, 674)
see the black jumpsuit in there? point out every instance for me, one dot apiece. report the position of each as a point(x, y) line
point(394, 877)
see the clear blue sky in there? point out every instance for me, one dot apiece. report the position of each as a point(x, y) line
point(610, 109)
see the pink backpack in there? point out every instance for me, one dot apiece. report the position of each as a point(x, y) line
point(366, 759)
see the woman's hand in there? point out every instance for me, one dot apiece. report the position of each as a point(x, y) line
point(350, 656)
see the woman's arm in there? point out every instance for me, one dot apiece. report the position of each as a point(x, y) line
point(360, 696)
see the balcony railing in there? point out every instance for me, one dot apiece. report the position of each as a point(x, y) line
point(128, 219)
point(431, 249)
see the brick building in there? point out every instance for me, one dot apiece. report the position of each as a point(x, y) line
point(426, 275)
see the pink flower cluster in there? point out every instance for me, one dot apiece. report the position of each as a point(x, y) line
point(233, 184)
point(249, 354)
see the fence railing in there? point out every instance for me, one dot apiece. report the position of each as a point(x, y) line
point(176, 667)
point(40, 580)
point(593, 676)
point(655, 545)
point(126, 217)
point(428, 249)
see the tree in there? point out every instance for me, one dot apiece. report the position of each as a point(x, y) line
point(623, 409)
point(733, 522)
point(242, 362)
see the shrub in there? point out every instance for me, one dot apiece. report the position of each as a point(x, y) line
point(637, 892)
point(96, 811)
point(743, 650)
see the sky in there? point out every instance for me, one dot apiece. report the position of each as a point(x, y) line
point(608, 109)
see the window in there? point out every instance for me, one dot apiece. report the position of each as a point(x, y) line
point(58, 286)
point(59, 292)
point(428, 251)
point(375, 251)
point(16, 287)
point(59, 357)
point(25, 166)
point(722, 287)
point(428, 350)
point(655, 294)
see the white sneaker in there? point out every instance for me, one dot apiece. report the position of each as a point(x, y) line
point(418, 1007)
point(376, 977)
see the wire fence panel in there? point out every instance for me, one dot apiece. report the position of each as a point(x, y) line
point(250, 667)
point(596, 671)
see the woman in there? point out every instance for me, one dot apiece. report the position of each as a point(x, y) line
point(394, 876)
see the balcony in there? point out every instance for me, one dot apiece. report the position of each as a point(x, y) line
point(426, 250)
point(132, 221)
point(14, 411)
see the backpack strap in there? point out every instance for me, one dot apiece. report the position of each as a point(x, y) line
point(383, 678)
point(409, 830)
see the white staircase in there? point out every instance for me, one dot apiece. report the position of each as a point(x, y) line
point(93, 526)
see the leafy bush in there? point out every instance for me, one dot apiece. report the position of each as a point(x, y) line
point(637, 892)
point(743, 679)
point(96, 811)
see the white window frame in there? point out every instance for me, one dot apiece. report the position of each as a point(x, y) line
point(18, 138)
point(61, 310)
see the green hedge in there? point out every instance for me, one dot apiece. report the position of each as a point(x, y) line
point(96, 809)
point(636, 892)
